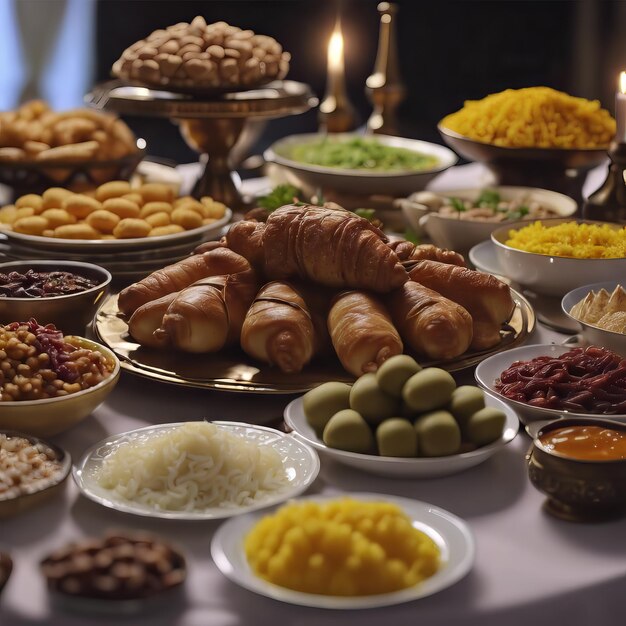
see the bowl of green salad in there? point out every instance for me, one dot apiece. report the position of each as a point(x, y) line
point(360, 165)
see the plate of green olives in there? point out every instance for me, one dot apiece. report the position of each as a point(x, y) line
point(404, 421)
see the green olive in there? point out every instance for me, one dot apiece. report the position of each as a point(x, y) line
point(371, 401)
point(438, 434)
point(347, 430)
point(394, 372)
point(396, 437)
point(485, 426)
point(465, 401)
point(429, 389)
point(321, 403)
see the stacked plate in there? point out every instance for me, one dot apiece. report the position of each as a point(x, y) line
point(127, 259)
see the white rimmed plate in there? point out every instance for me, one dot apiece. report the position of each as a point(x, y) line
point(300, 462)
point(490, 369)
point(451, 534)
point(404, 467)
point(94, 246)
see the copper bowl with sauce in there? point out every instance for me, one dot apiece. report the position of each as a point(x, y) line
point(580, 465)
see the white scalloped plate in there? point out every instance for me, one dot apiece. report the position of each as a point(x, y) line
point(451, 534)
point(300, 462)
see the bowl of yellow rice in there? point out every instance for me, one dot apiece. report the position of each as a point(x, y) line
point(554, 256)
point(535, 136)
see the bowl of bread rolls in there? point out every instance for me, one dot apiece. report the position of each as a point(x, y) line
point(76, 149)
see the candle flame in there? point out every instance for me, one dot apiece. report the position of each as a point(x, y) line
point(622, 82)
point(335, 50)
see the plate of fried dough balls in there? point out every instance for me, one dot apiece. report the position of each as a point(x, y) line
point(115, 215)
point(403, 420)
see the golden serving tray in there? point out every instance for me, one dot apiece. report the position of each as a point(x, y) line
point(233, 370)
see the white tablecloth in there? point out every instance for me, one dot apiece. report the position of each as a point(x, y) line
point(530, 568)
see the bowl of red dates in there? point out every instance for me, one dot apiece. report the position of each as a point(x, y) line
point(64, 293)
point(548, 381)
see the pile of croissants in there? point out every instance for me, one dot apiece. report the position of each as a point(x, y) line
point(313, 279)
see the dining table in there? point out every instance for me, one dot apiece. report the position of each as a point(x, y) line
point(529, 567)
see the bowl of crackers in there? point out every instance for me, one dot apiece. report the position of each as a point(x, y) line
point(75, 149)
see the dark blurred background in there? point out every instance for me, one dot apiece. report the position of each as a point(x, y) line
point(450, 50)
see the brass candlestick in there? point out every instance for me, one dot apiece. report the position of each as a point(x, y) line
point(336, 113)
point(608, 202)
point(384, 87)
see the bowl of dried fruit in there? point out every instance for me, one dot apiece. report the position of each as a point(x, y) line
point(51, 381)
point(64, 293)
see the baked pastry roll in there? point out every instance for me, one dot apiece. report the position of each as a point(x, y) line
point(429, 323)
point(362, 332)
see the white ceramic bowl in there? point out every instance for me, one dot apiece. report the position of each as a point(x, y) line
point(461, 235)
point(490, 369)
point(553, 275)
point(404, 467)
point(591, 334)
point(359, 182)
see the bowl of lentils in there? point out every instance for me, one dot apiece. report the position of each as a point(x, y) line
point(50, 381)
point(64, 293)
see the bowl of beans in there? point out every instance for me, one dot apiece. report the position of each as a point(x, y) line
point(31, 471)
point(554, 256)
point(545, 382)
point(64, 293)
point(49, 382)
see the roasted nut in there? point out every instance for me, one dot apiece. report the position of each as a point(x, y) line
point(172, 229)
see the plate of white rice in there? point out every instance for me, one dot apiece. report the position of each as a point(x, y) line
point(196, 470)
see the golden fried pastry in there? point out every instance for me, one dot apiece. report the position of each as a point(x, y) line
point(158, 219)
point(76, 231)
point(31, 200)
point(113, 189)
point(58, 217)
point(186, 218)
point(131, 228)
point(156, 192)
point(80, 205)
point(171, 229)
point(33, 225)
point(149, 208)
point(103, 220)
point(121, 207)
point(54, 196)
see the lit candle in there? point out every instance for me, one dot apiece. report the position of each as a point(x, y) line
point(620, 109)
point(336, 111)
